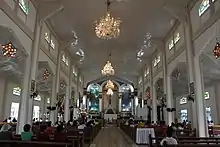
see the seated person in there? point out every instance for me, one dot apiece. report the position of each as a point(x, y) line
point(5, 133)
point(169, 139)
point(49, 130)
point(81, 126)
point(27, 134)
point(60, 135)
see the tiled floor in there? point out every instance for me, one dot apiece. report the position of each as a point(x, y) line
point(112, 137)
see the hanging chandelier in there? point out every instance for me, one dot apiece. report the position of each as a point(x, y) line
point(46, 74)
point(109, 85)
point(108, 70)
point(9, 50)
point(216, 50)
point(107, 27)
point(110, 92)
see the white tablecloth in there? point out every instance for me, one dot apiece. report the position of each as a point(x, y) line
point(142, 135)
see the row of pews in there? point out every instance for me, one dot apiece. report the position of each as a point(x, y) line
point(187, 142)
point(184, 139)
point(77, 138)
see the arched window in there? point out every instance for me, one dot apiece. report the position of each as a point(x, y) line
point(65, 60)
point(23, 4)
point(204, 6)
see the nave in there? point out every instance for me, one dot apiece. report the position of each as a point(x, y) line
point(112, 137)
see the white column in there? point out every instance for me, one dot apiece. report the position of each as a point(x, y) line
point(189, 55)
point(169, 98)
point(119, 105)
point(43, 107)
point(66, 105)
point(132, 106)
point(100, 104)
point(202, 124)
point(34, 66)
point(55, 89)
point(23, 107)
point(154, 105)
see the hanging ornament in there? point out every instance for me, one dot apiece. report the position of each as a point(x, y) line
point(216, 50)
point(46, 74)
point(9, 50)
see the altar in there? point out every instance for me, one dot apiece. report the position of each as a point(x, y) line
point(110, 114)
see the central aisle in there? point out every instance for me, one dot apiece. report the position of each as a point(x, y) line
point(111, 137)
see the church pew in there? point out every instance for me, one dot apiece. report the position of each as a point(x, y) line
point(186, 140)
point(15, 143)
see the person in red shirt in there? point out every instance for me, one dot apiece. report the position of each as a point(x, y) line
point(49, 130)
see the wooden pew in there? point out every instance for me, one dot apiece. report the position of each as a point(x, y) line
point(15, 143)
point(186, 141)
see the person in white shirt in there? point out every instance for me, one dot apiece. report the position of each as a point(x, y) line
point(169, 139)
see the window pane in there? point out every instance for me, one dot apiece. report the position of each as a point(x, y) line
point(176, 38)
point(158, 59)
point(203, 6)
point(52, 44)
point(183, 100)
point(38, 98)
point(17, 91)
point(48, 100)
point(14, 110)
point(63, 58)
point(183, 115)
point(155, 62)
point(36, 112)
point(171, 44)
point(24, 6)
point(47, 37)
point(207, 96)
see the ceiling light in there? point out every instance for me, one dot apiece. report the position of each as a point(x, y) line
point(107, 27)
point(108, 70)
point(46, 74)
point(110, 92)
point(216, 50)
point(109, 85)
point(9, 50)
point(140, 53)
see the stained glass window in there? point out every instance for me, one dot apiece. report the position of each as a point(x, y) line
point(171, 44)
point(47, 37)
point(24, 5)
point(204, 6)
point(176, 37)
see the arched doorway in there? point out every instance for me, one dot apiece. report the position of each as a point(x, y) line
point(110, 101)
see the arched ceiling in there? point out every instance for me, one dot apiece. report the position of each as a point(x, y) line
point(138, 18)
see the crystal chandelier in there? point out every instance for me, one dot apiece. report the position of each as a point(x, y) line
point(216, 50)
point(107, 27)
point(108, 70)
point(110, 92)
point(109, 85)
point(46, 74)
point(9, 50)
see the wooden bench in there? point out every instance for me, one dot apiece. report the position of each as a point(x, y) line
point(16, 143)
point(187, 141)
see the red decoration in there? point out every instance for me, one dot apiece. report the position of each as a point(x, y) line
point(216, 50)
point(148, 94)
point(9, 50)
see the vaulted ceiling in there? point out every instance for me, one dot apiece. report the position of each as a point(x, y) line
point(139, 17)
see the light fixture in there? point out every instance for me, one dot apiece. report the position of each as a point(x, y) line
point(108, 70)
point(110, 92)
point(109, 85)
point(46, 74)
point(9, 50)
point(216, 50)
point(107, 27)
